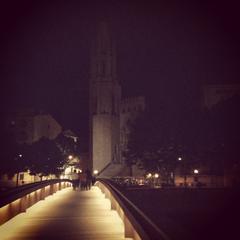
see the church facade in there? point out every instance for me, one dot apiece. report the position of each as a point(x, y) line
point(109, 113)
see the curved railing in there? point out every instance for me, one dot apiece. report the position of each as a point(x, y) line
point(17, 200)
point(136, 224)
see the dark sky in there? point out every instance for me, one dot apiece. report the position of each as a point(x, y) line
point(165, 50)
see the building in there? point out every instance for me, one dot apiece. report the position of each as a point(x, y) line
point(109, 113)
point(28, 126)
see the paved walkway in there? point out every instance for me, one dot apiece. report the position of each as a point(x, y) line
point(67, 215)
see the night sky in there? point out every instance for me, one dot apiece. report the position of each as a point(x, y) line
point(165, 51)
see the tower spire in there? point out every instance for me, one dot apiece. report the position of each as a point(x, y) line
point(105, 96)
point(103, 55)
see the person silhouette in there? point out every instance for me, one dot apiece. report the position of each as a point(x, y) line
point(74, 179)
point(88, 179)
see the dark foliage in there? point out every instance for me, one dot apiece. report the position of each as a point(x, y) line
point(205, 139)
point(44, 158)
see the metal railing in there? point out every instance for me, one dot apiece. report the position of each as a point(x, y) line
point(17, 200)
point(133, 226)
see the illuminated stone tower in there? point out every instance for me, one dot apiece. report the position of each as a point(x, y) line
point(105, 96)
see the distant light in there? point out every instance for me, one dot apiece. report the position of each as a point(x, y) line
point(67, 170)
point(156, 175)
point(149, 175)
point(70, 157)
point(20, 155)
point(196, 171)
point(179, 159)
point(95, 172)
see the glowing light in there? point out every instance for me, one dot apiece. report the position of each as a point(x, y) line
point(70, 157)
point(95, 172)
point(20, 155)
point(156, 175)
point(67, 170)
point(196, 171)
point(149, 175)
point(18, 225)
point(179, 159)
point(28, 224)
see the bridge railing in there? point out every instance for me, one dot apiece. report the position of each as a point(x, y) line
point(17, 200)
point(133, 228)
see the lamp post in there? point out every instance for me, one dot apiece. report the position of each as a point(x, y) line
point(17, 180)
point(156, 176)
point(196, 172)
point(180, 159)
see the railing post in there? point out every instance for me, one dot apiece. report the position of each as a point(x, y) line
point(23, 204)
point(51, 189)
point(42, 194)
point(128, 229)
point(113, 202)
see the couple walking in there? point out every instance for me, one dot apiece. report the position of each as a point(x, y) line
point(82, 180)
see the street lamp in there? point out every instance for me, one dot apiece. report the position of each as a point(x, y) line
point(183, 165)
point(70, 157)
point(195, 171)
point(95, 172)
point(149, 175)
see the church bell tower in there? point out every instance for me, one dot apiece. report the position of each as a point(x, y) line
point(105, 96)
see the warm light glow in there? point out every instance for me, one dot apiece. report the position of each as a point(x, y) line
point(195, 171)
point(16, 226)
point(67, 170)
point(149, 175)
point(95, 172)
point(31, 223)
point(156, 175)
point(179, 159)
point(70, 157)
point(20, 155)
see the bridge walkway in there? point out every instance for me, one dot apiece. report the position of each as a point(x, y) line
point(67, 215)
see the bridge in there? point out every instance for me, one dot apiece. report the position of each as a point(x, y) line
point(52, 210)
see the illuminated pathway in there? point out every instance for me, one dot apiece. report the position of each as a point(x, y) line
point(67, 215)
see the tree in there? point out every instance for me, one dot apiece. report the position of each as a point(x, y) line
point(67, 146)
point(158, 138)
point(148, 143)
point(225, 132)
point(45, 158)
point(13, 156)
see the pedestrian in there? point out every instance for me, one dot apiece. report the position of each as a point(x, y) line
point(79, 179)
point(74, 179)
point(89, 179)
point(83, 180)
